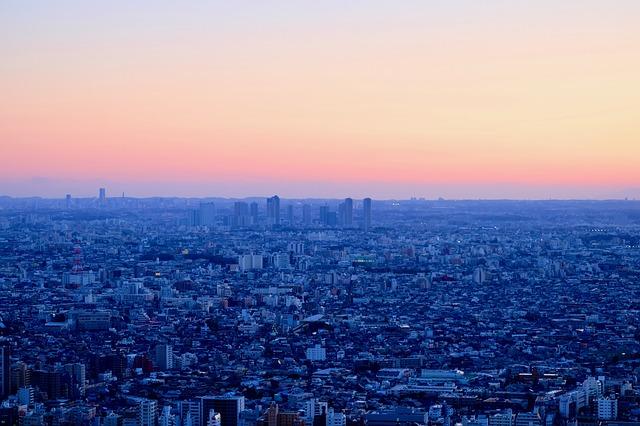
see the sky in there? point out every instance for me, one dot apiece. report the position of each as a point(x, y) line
point(389, 99)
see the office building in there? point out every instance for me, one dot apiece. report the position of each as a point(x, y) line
point(366, 217)
point(248, 262)
point(306, 215)
point(164, 357)
point(5, 372)
point(147, 412)
point(253, 212)
point(607, 409)
point(273, 210)
point(290, 218)
point(348, 212)
point(77, 374)
point(206, 214)
point(241, 216)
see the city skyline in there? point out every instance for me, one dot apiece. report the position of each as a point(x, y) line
point(319, 213)
point(459, 100)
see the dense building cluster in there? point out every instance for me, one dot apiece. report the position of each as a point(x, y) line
point(254, 312)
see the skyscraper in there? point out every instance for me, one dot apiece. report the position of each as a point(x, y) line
point(5, 372)
point(147, 413)
point(253, 211)
point(348, 212)
point(207, 214)
point(306, 215)
point(77, 373)
point(290, 214)
point(240, 214)
point(164, 357)
point(273, 210)
point(324, 213)
point(102, 195)
point(366, 205)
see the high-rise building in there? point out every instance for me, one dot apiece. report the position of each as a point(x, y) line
point(348, 212)
point(102, 196)
point(68, 201)
point(607, 409)
point(306, 215)
point(314, 408)
point(273, 210)
point(190, 412)
point(324, 214)
point(247, 262)
point(207, 214)
point(20, 376)
point(166, 418)
point(52, 383)
point(5, 372)
point(241, 214)
point(366, 205)
point(229, 408)
point(147, 412)
point(253, 211)
point(26, 396)
point(164, 357)
point(77, 373)
point(290, 214)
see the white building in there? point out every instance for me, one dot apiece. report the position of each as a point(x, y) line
point(249, 262)
point(147, 412)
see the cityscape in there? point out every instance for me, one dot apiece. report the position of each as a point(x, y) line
point(319, 213)
point(282, 312)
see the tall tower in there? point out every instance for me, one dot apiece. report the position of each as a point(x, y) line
point(273, 210)
point(253, 209)
point(290, 214)
point(102, 196)
point(241, 214)
point(348, 212)
point(5, 372)
point(306, 214)
point(366, 204)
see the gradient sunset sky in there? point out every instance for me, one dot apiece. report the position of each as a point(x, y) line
point(322, 98)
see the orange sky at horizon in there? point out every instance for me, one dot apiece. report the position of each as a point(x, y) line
point(504, 95)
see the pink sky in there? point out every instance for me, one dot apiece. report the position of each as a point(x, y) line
point(387, 99)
